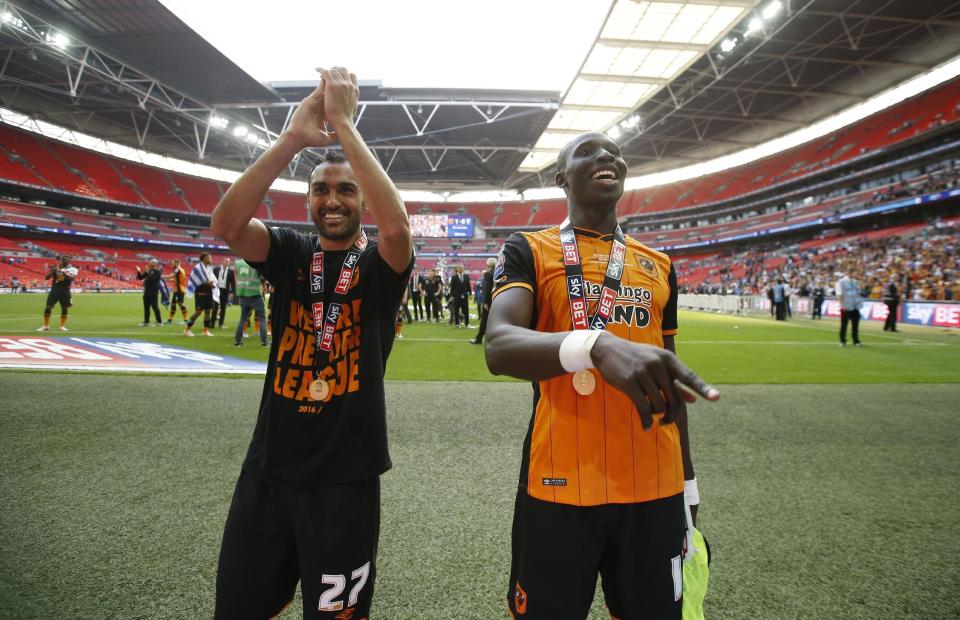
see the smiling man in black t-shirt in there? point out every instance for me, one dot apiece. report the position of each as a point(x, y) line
point(307, 504)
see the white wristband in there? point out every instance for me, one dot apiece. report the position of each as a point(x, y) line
point(691, 493)
point(575, 349)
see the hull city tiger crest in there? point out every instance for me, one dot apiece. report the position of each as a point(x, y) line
point(647, 266)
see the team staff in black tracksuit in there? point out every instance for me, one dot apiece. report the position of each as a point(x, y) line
point(151, 290)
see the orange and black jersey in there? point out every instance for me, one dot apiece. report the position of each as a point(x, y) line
point(179, 280)
point(61, 281)
point(592, 450)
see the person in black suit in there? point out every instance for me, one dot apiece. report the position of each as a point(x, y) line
point(485, 290)
point(891, 297)
point(460, 296)
point(414, 293)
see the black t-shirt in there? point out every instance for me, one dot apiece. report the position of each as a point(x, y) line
point(296, 441)
point(151, 280)
point(431, 286)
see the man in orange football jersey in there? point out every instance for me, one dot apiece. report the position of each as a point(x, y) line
point(589, 316)
point(178, 284)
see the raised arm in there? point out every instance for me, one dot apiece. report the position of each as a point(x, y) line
point(380, 194)
point(232, 219)
point(652, 377)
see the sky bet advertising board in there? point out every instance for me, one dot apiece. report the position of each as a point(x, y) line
point(916, 313)
point(931, 313)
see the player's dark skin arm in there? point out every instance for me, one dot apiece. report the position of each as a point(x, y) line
point(652, 377)
point(682, 426)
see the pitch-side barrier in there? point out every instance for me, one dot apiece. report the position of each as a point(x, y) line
point(930, 313)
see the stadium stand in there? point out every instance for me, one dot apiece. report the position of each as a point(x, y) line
point(29, 153)
point(107, 177)
point(200, 195)
point(923, 258)
point(713, 208)
point(154, 185)
point(95, 170)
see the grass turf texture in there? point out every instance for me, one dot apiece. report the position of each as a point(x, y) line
point(820, 501)
point(723, 349)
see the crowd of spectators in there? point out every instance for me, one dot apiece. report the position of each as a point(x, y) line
point(925, 266)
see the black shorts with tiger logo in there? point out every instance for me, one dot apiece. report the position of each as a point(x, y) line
point(59, 296)
point(203, 299)
point(560, 549)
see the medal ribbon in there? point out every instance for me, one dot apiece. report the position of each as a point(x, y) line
point(576, 286)
point(325, 324)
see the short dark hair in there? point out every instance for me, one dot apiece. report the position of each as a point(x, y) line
point(565, 151)
point(202, 256)
point(329, 157)
point(562, 156)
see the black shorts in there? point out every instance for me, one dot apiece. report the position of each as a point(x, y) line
point(61, 297)
point(325, 537)
point(203, 301)
point(558, 551)
point(176, 299)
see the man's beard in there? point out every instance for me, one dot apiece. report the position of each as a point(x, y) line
point(349, 230)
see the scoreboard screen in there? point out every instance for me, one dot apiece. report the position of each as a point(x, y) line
point(460, 226)
point(442, 226)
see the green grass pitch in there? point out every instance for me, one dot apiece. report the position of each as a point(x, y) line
point(829, 476)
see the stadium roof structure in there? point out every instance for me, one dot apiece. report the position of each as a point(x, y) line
point(709, 78)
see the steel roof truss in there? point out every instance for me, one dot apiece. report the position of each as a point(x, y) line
point(490, 116)
point(416, 126)
point(81, 60)
point(141, 133)
point(434, 164)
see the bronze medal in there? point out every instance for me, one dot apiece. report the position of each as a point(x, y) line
point(584, 383)
point(319, 390)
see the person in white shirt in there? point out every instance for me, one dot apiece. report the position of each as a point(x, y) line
point(848, 292)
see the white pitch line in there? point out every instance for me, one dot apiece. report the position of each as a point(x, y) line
point(144, 369)
point(54, 332)
point(464, 340)
point(912, 343)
